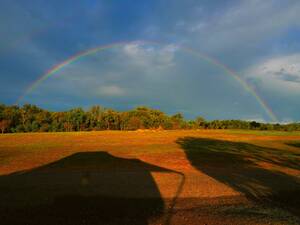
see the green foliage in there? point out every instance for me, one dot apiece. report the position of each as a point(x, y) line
point(30, 118)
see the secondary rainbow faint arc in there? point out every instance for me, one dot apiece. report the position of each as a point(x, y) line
point(207, 58)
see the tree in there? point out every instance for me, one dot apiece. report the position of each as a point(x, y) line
point(43, 120)
point(4, 124)
point(111, 119)
point(68, 126)
point(124, 119)
point(134, 123)
point(254, 125)
point(77, 118)
point(94, 117)
point(30, 118)
point(200, 122)
point(177, 120)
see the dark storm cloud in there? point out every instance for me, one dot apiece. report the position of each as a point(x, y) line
point(36, 35)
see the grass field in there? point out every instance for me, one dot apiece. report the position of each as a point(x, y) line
point(150, 177)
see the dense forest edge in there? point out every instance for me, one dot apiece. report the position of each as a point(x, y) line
point(31, 118)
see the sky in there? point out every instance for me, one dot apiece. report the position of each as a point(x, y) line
point(222, 59)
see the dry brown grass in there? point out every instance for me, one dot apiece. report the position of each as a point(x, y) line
point(211, 179)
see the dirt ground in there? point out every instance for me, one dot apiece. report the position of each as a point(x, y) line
point(150, 177)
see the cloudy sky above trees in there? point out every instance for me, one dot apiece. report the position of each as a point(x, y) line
point(259, 40)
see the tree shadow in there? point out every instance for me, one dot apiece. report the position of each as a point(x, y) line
point(236, 165)
point(84, 188)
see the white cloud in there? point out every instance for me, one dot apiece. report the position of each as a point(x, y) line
point(280, 73)
point(150, 55)
point(200, 26)
point(110, 91)
point(257, 119)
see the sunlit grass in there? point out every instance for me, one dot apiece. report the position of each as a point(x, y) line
point(216, 162)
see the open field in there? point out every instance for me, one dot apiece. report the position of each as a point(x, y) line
point(150, 177)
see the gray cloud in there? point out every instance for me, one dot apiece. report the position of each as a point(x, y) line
point(246, 36)
point(235, 32)
point(288, 77)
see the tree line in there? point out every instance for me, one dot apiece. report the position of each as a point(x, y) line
point(31, 118)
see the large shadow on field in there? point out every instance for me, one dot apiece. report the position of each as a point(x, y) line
point(84, 188)
point(236, 165)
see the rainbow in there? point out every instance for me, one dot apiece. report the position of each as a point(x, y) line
point(207, 58)
point(242, 82)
